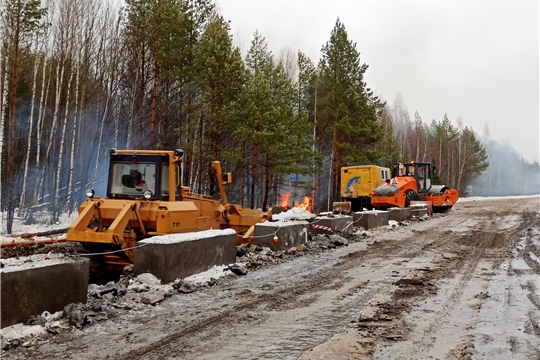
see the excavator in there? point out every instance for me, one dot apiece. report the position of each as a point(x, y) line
point(145, 198)
point(412, 182)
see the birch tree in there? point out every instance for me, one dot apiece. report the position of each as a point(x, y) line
point(22, 19)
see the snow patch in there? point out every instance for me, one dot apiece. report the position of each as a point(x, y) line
point(191, 236)
point(215, 272)
point(35, 261)
point(283, 223)
point(488, 198)
point(372, 212)
point(42, 223)
point(19, 331)
point(293, 214)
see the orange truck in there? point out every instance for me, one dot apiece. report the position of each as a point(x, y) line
point(412, 182)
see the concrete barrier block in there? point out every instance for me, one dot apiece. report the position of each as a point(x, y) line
point(176, 256)
point(31, 285)
point(399, 214)
point(370, 219)
point(423, 204)
point(289, 234)
point(336, 223)
point(419, 212)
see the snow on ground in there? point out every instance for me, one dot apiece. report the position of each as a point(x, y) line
point(487, 198)
point(40, 223)
point(293, 214)
point(176, 238)
point(215, 272)
point(35, 261)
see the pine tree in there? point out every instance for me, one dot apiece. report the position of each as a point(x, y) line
point(221, 77)
point(348, 109)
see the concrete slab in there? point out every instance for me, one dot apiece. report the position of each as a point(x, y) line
point(34, 284)
point(336, 223)
point(419, 212)
point(289, 234)
point(176, 256)
point(370, 219)
point(423, 204)
point(399, 214)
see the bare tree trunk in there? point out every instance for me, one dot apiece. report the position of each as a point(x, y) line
point(154, 105)
point(100, 139)
point(57, 183)
point(77, 112)
point(330, 169)
point(417, 144)
point(200, 169)
point(266, 180)
point(41, 115)
point(59, 83)
point(3, 104)
point(425, 146)
point(189, 151)
point(29, 139)
point(13, 109)
point(243, 189)
point(129, 142)
point(253, 174)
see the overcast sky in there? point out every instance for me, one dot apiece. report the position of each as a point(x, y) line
point(472, 59)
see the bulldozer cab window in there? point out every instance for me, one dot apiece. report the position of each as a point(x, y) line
point(133, 178)
point(165, 181)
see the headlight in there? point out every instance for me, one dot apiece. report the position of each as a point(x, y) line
point(147, 194)
point(90, 193)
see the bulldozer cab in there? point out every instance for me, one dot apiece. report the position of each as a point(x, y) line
point(421, 173)
point(136, 175)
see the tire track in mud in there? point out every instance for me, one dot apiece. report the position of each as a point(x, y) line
point(415, 244)
point(267, 300)
point(420, 342)
point(180, 339)
point(492, 239)
point(290, 296)
point(531, 225)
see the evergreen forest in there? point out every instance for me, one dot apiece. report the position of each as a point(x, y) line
point(80, 77)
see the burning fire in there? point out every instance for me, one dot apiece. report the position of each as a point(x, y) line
point(285, 198)
point(305, 204)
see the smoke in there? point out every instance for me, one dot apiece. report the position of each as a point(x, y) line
point(508, 173)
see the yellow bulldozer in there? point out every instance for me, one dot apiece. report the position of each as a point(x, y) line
point(145, 198)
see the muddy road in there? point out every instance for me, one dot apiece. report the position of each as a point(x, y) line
point(461, 286)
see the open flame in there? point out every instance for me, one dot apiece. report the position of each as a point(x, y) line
point(305, 204)
point(285, 202)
